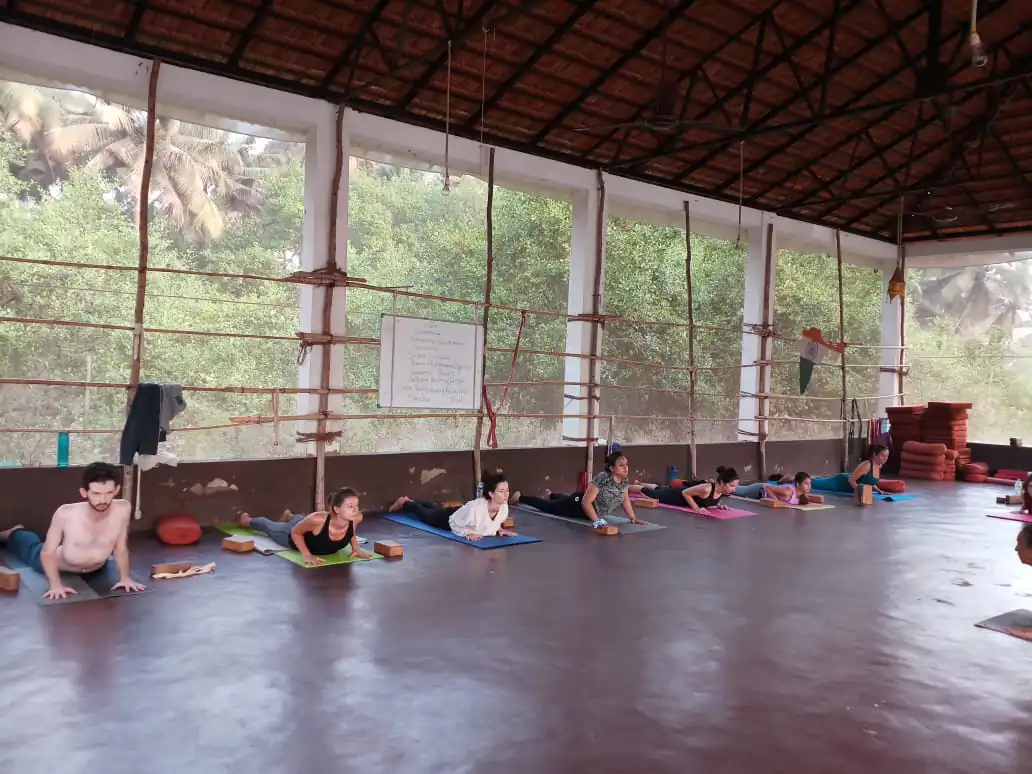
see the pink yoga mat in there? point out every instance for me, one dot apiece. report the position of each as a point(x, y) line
point(730, 513)
point(1026, 518)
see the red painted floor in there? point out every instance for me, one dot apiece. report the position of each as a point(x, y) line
point(834, 642)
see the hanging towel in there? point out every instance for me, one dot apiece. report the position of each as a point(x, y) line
point(172, 403)
point(142, 429)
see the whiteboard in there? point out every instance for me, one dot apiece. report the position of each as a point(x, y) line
point(430, 363)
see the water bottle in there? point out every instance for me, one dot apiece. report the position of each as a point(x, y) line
point(671, 474)
point(480, 489)
point(1017, 488)
point(64, 442)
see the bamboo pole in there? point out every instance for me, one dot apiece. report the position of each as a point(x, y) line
point(478, 467)
point(900, 377)
point(765, 352)
point(327, 320)
point(594, 392)
point(693, 466)
point(129, 491)
point(842, 355)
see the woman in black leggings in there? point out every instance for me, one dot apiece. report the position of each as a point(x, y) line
point(479, 518)
point(697, 495)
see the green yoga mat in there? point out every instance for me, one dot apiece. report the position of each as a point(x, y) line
point(291, 555)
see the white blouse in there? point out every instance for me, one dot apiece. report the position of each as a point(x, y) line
point(473, 519)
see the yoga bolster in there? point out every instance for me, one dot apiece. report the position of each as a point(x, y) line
point(923, 463)
point(178, 529)
point(976, 468)
point(892, 486)
point(976, 478)
point(916, 447)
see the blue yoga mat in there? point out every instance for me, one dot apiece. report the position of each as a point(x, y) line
point(885, 498)
point(494, 541)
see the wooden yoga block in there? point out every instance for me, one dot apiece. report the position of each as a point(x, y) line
point(389, 549)
point(235, 544)
point(771, 503)
point(864, 495)
point(508, 524)
point(608, 531)
point(9, 580)
point(646, 503)
point(1009, 500)
point(170, 568)
point(814, 499)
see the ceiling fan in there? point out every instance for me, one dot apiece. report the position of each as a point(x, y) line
point(664, 115)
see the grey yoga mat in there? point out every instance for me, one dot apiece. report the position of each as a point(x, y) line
point(626, 528)
point(95, 585)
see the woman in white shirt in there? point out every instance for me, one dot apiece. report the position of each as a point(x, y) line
point(479, 518)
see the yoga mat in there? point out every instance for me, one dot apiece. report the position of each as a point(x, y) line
point(494, 541)
point(625, 525)
point(784, 506)
point(885, 498)
point(1023, 517)
point(266, 546)
point(730, 513)
point(1016, 623)
point(96, 585)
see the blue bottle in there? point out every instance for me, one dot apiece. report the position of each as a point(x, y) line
point(671, 474)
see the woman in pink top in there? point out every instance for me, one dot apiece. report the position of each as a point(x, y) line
point(789, 491)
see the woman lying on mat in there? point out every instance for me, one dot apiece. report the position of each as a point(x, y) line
point(792, 491)
point(479, 518)
point(608, 491)
point(318, 534)
point(1024, 545)
point(867, 473)
point(698, 495)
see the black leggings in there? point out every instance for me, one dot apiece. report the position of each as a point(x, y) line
point(431, 514)
point(558, 504)
point(672, 495)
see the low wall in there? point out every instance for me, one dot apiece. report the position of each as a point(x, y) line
point(215, 491)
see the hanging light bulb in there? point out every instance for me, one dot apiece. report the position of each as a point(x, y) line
point(978, 57)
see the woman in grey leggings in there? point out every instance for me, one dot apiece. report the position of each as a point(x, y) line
point(278, 531)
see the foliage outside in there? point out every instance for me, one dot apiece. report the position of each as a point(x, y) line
point(70, 166)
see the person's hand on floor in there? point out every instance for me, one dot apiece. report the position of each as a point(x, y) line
point(59, 592)
point(704, 511)
point(362, 555)
point(128, 584)
point(314, 561)
point(474, 538)
point(507, 533)
point(721, 507)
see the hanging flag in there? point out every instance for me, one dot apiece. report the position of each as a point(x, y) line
point(812, 350)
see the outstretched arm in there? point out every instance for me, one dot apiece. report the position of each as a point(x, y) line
point(356, 550)
point(861, 470)
point(125, 577)
point(310, 523)
point(49, 558)
point(629, 509)
point(588, 502)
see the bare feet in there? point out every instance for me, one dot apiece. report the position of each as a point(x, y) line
point(398, 504)
point(286, 515)
point(5, 534)
point(244, 519)
point(547, 494)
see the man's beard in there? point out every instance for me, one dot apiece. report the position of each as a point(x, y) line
point(100, 507)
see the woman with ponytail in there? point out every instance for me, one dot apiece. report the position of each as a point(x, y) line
point(698, 495)
point(607, 492)
point(867, 473)
point(317, 534)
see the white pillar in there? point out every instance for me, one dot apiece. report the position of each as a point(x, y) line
point(320, 168)
point(756, 294)
point(888, 382)
point(584, 255)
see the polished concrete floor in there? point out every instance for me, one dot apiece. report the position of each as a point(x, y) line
point(837, 641)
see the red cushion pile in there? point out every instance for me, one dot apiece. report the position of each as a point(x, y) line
point(946, 423)
point(976, 472)
point(924, 460)
point(904, 425)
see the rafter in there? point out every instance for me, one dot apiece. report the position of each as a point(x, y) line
point(471, 25)
point(670, 147)
point(257, 17)
point(653, 33)
point(959, 34)
point(754, 71)
point(354, 47)
point(134, 23)
point(528, 64)
point(691, 75)
point(829, 55)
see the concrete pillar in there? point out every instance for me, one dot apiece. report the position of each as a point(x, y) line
point(888, 382)
point(320, 168)
point(754, 379)
point(584, 255)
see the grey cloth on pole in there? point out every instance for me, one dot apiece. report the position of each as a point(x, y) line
point(172, 403)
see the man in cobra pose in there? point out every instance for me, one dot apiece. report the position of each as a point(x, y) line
point(82, 536)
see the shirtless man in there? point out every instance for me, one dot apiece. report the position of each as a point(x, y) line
point(82, 536)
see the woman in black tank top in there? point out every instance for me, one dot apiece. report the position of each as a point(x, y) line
point(698, 495)
point(318, 534)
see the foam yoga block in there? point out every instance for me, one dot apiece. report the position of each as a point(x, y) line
point(178, 529)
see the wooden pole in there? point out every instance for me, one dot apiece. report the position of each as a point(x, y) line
point(143, 220)
point(478, 465)
point(766, 343)
point(327, 322)
point(693, 465)
point(842, 339)
point(594, 402)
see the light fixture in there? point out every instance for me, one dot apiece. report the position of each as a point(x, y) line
point(978, 57)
